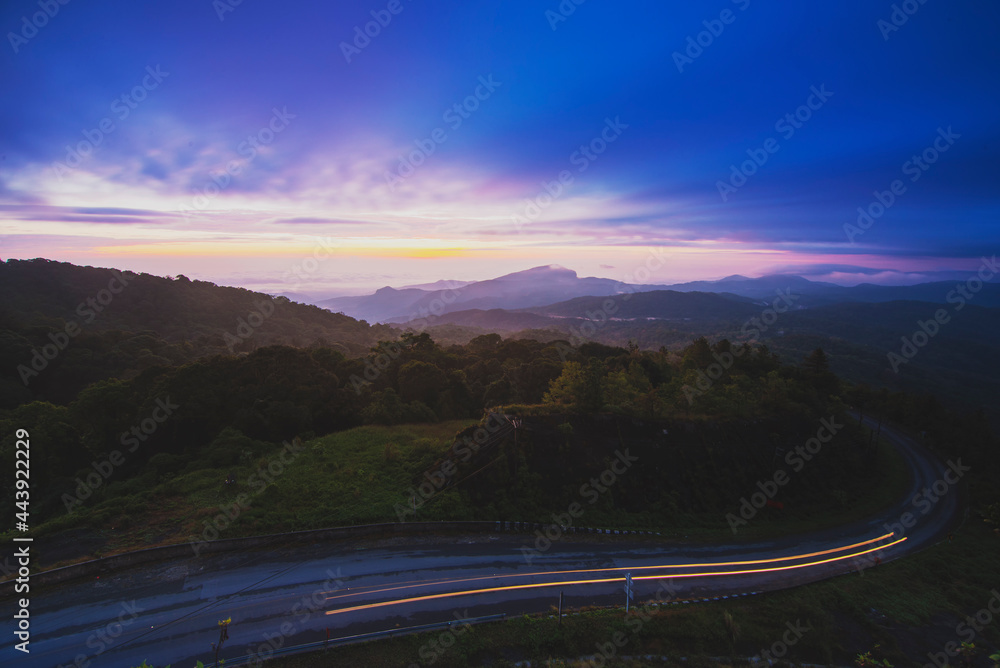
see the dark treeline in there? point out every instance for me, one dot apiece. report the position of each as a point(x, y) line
point(63, 327)
point(218, 411)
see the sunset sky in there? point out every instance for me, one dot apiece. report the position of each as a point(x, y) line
point(471, 139)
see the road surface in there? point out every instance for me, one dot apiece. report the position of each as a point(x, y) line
point(168, 612)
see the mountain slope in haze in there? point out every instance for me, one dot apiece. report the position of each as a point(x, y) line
point(757, 288)
point(443, 284)
point(550, 284)
point(654, 305)
point(532, 287)
point(97, 323)
point(492, 320)
point(815, 293)
point(650, 319)
point(957, 364)
point(380, 306)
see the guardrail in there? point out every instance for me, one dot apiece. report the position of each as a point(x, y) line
point(355, 639)
point(186, 550)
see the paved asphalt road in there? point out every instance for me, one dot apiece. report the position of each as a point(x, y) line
point(167, 613)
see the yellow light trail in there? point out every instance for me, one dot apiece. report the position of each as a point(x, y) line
point(425, 583)
point(470, 592)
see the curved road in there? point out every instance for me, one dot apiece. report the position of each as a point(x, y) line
point(168, 613)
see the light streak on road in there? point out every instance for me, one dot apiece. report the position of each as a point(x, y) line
point(427, 583)
point(563, 583)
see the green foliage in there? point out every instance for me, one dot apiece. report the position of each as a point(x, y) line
point(582, 388)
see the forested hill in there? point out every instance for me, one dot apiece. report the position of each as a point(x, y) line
point(64, 326)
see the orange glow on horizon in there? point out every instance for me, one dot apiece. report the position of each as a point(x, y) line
point(274, 249)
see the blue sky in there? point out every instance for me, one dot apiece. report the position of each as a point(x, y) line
point(361, 168)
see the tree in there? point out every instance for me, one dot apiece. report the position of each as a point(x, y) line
point(581, 387)
point(528, 382)
point(698, 355)
point(418, 342)
point(816, 362)
point(421, 381)
point(567, 388)
point(817, 369)
point(618, 392)
point(485, 344)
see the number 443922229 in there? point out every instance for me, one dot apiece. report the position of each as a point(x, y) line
point(21, 475)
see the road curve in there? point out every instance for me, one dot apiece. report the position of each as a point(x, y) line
point(168, 613)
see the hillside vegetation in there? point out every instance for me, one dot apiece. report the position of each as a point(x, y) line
point(63, 327)
point(142, 456)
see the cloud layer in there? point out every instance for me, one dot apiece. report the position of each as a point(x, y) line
point(490, 136)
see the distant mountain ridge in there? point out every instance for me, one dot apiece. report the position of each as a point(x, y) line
point(683, 310)
point(552, 284)
point(819, 293)
point(533, 287)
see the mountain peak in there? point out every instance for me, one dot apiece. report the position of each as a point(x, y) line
point(549, 271)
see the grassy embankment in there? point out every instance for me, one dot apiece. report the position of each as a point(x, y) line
point(363, 476)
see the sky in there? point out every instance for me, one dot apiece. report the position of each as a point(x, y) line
point(332, 148)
